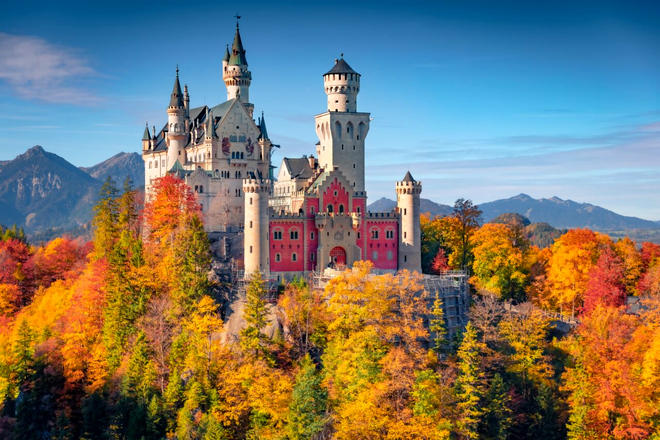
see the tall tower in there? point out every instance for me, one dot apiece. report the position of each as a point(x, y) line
point(177, 129)
point(342, 129)
point(410, 242)
point(236, 75)
point(255, 240)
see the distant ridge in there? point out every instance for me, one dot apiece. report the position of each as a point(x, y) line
point(119, 166)
point(561, 214)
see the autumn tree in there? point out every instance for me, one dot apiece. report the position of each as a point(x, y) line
point(632, 262)
point(468, 218)
point(606, 282)
point(252, 338)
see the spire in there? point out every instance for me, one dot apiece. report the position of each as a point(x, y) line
point(176, 101)
point(262, 127)
point(408, 178)
point(237, 52)
point(146, 136)
point(210, 129)
point(226, 57)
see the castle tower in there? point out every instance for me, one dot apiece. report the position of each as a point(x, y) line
point(342, 129)
point(146, 139)
point(256, 224)
point(177, 130)
point(236, 75)
point(410, 242)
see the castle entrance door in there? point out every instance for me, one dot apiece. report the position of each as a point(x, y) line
point(338, 256)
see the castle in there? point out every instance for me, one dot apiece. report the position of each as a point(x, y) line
point(314, 214)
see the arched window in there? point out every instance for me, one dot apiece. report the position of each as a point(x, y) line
point(338, 129)
point(241, 155)
point(293, 234)
point(277, 234)
point(329, 209)
point(201, 189)
point(349, 130)
point(196, 188)
point(374, 234)
point(294, 257)
point(278, 257)
point(389, 233)
point(341, 209)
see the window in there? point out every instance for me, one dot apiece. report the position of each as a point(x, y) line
point(389, 255)
point(293, 234)
point(311, 236)
point(341, 209)
point(294, 257)
point(389, 233)
point(311, 257)
point(374, 234)
point(277, 234)
point(405, 211)
point(358, 235)
point(311, 210)
point(250, 200)
point(329, 207)
point(405, 258)
point(405, 234)
point(335, 193)
point(250, 249)
point(250, 224)
point(353, 166)
point(374, 256)
point(357, 209)
point(278, 258)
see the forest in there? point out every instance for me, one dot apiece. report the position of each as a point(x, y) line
point(122, 337)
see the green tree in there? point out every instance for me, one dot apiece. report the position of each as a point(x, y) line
point(105, 219)
point(437, 326)
point(307, 410)
point(469, 385)
point(469, 217)
point(192, 261)
point(255, 313)
point(499, 416)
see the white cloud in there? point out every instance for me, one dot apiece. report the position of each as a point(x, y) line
point(37, 69)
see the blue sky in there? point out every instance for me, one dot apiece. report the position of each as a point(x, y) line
point(478, 99)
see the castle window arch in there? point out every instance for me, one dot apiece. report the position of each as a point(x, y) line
point(329, 208)
point(362, 128)
point(277, 234)
point(341, 209)
point(389, 233)
point(338, 129)
point(374, 233)
point(278, 257)
point(293, 234)
point(294, 257)
point(349, 130)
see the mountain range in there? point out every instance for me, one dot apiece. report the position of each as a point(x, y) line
point(41, 191)
point(559, 213)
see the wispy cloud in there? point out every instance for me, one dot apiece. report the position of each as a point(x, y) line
point(37, 69)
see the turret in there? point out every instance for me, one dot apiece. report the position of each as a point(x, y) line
point(177, 130)
point(410, 244)
point(225, 60)
point(210, 125)
point(146, 139)
point(342, 129)
point(342, 85)
point(236, 75)
point(186, 100)
point(256, 253)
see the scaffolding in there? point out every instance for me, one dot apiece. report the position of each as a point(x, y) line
point(240, 283)
point(451, 287)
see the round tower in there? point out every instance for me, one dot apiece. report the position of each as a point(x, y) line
point(177, 131)
point(342, 85)
point(410, 243)
point(255, 245)
point(236, 75)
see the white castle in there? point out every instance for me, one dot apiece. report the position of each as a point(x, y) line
point(313, 215)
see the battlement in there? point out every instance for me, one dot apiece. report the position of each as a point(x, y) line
point(256, 185)
point(382, 215)
point(282, 215)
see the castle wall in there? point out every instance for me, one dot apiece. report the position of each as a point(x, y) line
point(382, 240)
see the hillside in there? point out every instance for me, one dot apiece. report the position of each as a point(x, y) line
point(563, 214)
point(40, 190)
point(384, 205)
point(119, 166)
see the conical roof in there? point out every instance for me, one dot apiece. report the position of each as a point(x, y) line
point(262, 127)
point(341, 66)
point(408, 178)
point(176, 100)
point(146, 136)
point(237, 56)
point(226, 57)
point(210, 129)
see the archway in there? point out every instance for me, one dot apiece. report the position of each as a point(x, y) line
point(338, 256)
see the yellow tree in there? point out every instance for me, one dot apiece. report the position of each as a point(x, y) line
point(633, 264)
point(573, 256)
point(499, 263)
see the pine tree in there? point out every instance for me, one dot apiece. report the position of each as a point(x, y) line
point(105, 219)
point(499, 415)
point(255, 313)
point(23, 352)
point(437, 325)
point(307, 410)
point(469, 386)
point(193, 261)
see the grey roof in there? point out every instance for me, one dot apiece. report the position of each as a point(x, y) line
point(262, 127)
point(341, 66)
point(237, 57)
point(408, 178)
point(226, 57)
point(221, 110)
point(176, 100)
point(146, 136)
point(298, 167)
point(210, 126)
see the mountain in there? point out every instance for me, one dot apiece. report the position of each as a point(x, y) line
point(119, 167)
point(40, 190)
point(385, 205)
point(563, 214)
